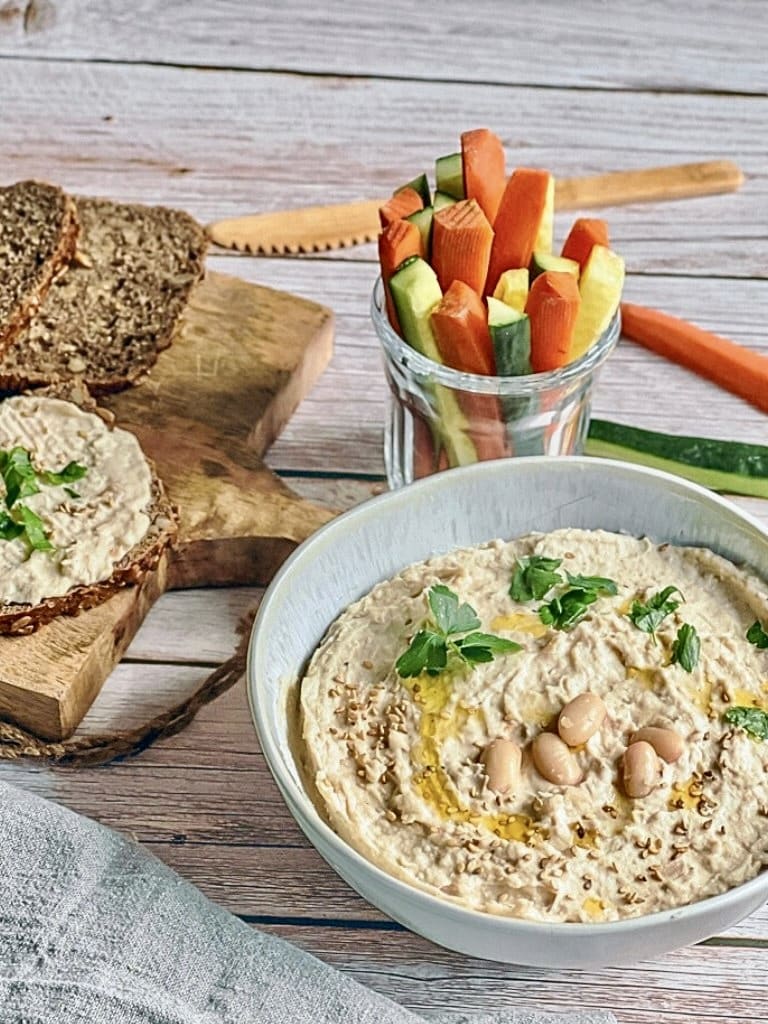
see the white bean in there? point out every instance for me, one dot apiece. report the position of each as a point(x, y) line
point(640, 769)
point(502, 759)
point(554, 761)
point(581, 718)
point(667, 743)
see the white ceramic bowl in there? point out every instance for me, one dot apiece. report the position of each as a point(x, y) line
point(344, 559)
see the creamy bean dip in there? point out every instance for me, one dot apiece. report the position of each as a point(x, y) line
point(399, 764)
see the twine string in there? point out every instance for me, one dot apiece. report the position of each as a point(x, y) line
point(16, 743)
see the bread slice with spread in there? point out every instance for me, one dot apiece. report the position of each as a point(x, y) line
point(106, 319)
point(82, 512)
point(38, 234)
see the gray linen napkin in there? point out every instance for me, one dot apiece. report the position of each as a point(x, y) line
point(94, 930)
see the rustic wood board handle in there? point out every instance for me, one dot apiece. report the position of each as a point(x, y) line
point(317, 228)
point(681, 181)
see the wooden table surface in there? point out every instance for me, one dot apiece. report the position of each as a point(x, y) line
point(231, 107)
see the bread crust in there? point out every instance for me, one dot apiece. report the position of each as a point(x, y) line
point(51, 267)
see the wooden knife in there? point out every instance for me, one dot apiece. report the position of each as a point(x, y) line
point(317, 228)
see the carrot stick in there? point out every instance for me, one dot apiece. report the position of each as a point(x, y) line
point(553, 304)
point(585, 233)
point(727, 364)
point(397, 242)
point(517, 222)
point(402, 204)
point(486, 425)
point(460, 327)
point(484, 168)
point(461, 245)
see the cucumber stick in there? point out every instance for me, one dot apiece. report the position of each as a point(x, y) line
point(543, 261)
point(415, 293)
point(423, 221)
point(442, 199)
point(733, 467)
point(511, 336)
point(420, 185)
point(449, 175)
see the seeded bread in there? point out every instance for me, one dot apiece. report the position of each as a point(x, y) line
point(38, 233)
point(17, 618)
point(106, 319)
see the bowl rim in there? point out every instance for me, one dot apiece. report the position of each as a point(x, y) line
point(303, 809)
point(404, 355)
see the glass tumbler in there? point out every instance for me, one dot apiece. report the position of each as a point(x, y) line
point(439, 417)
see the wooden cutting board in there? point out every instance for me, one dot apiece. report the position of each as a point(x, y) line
point(243, 358)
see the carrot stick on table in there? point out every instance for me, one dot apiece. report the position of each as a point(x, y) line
point(461, 245)
point(586, 233)
point(402, 204)
point(397, 242)
point(484, 168)
point(553, 305)
point(460, 326)
point(727, 364)
point(517, 222)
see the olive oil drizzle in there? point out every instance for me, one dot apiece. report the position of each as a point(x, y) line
point(438, 723)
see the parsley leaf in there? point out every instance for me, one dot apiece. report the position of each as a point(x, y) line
point(9, 528)
point(431, 648)
point(600, 584)
point(450, 616)
point(33, 527)
point(22, 480)
point(18, 475)
point(428, 652)
point(752, 720)
point(534, 577)
point(483, 647)
point(564, 611)
point(649, 616)
point(686, 647)
point(71, 472)
point(758, 636)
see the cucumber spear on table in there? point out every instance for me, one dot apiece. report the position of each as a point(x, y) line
point(733, 467)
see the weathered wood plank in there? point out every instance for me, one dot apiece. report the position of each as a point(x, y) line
point(694, 984)
point(549, 44)
point(267, 141)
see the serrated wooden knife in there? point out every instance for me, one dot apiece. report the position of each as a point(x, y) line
point(318, 228)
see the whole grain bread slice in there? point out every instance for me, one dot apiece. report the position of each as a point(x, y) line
point(106, 319)
point(21, 619)
point(38, 234)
